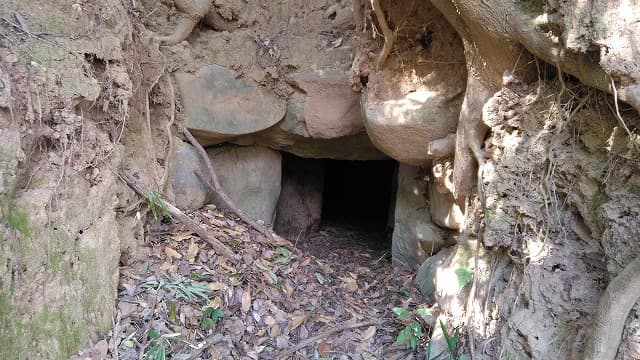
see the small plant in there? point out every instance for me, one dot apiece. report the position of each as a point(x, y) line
point(451, 339)
point(181, 288)
point(412, 334)
point(155, 201)
point(210, 317)
point(158, 349)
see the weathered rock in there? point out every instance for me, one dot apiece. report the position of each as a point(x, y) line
point(251, 176)
point(403, 127)
point(425, 279)
point(219, 106)
point(415, 237)
point(332, 109)
point(189, 192)
point(300, 203)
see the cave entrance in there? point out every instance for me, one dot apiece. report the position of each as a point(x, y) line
point(327, 203)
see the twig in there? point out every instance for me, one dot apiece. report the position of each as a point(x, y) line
point(215, 186)
point(389, 36)
point(180, 216)
point(304, 343)
point(205, 345)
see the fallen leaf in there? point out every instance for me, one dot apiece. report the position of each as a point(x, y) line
point(296, 321)
point(215, 286)
point(193, 250)
point(368, 334)
point(246, 300)
point(172, 253)
point(269, 320)
point(182, 236)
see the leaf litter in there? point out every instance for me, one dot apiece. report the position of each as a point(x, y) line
point(329, 297)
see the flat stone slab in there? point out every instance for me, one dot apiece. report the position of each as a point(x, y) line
point(219, 105)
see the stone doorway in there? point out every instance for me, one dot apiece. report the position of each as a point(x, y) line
point(339, 201)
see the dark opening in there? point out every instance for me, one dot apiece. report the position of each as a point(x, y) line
point(329, 203)
point(357, 193)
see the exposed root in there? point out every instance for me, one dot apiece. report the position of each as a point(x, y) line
point(193, 11)
point(217, 188)
point(389, 35)
point(616, 302)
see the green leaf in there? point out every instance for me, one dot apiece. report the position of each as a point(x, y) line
point(285, 256)
point(173, 311)
point(402, 336)
point(464, 357)
point(210, 317)
point(423, 312)
point(464, 276)
point(156, 352)
point(153, 334)
point(401, 313)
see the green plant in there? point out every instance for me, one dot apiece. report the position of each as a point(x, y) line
point(210, 317)
point(180, 287)
point(161, 346)
point(451, 339)
point(411, 335)
point(155, 201)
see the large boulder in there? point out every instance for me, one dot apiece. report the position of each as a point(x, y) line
point(189, 192)
point(415, 237)
point(251, 176)
point(219, 105)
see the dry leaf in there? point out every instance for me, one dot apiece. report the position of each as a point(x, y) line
point(269, 320)
point(368, 334)
point(246, 300)
point(193, 250)
point(215, 286)
point(350, 284)
point(182, 236)
point(172, 253)
point(296, 321)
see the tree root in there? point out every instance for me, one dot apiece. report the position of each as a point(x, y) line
point(193, 11)
point(389, 36)
point(608, 322)
point(219, 247)
point(217, 188)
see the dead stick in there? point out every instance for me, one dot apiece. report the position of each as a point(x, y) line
point(180, 216)
point(217, 188)
point(304, 343)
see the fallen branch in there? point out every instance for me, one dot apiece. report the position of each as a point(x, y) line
point(215, 186)
point(608, 322)
point(304, 343)
point(389, 36)
point(219, 247)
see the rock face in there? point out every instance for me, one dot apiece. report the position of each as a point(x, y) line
point(415, 237)
point(220, 106)
point(300, 204)
point(251, 176)
point(188, 190)
point(332, 108)
point(403, 127)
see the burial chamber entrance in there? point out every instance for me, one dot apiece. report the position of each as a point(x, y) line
point(327, 203)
